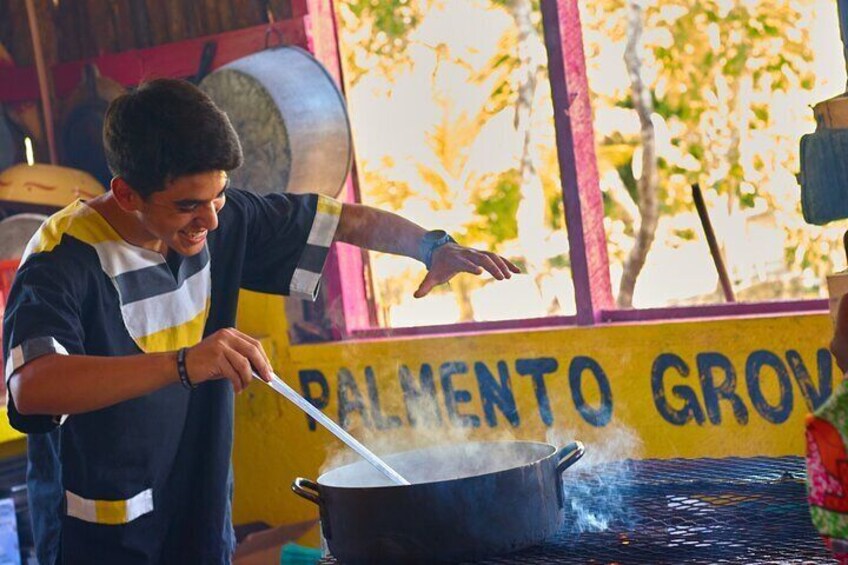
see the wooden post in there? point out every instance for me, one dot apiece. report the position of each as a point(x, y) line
point(584, 209)
point(712, 243)
point(43, 80)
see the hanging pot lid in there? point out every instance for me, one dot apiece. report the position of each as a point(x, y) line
point(15, 233)
point(44, 187)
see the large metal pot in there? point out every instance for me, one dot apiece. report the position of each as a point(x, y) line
point(466, 502)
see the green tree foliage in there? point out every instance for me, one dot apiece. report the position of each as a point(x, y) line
point(377, 34)
point(717, 68)
point(714, 69)
point(480, 204)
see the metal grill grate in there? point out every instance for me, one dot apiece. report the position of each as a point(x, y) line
point(702, 511)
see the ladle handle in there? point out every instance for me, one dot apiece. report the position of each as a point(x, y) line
point(280, 386)
point(305, 488)
point(569, 455)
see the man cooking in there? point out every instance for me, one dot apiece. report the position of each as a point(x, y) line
point(121, 358)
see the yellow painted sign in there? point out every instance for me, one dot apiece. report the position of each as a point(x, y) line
point(673, 389)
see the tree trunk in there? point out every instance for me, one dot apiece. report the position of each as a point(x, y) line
point(461, 288)
point(648, 182)
point(741, 91)
point(531, 209)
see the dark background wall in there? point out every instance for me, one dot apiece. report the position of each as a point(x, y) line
point(79, 29)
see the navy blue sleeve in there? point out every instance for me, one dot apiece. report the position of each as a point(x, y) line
point(42, 317)
point(288, 239)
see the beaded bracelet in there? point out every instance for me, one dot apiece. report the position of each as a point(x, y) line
point(182, 370)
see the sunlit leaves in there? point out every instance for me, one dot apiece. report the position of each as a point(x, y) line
point(495, 201)
point(722, 73)
point(376, 34)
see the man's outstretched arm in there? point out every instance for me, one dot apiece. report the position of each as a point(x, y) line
point(387, 232)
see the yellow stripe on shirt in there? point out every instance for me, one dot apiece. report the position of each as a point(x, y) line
point(77, 220)
point(116, 257)
point(170, 339)
point(327, 205)
point(327, 215)
point(111, 512)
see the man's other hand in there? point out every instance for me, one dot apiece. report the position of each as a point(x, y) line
point(452, 259)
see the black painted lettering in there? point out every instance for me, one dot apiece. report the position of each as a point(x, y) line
point(422, 406)
point(537, 369)
point(453, 396)
point(309, 377)
point(691, 409)
point(814, 397)
point(754, 376)
point(381, 422)
point(708, 363)
point(350, 399)
point(601, 415)
point(494, 393)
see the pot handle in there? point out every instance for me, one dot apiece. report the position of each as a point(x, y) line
point(569, 455)
point(307, 489)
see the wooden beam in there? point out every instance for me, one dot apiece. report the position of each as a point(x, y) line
point(44, 87)
point(176, 60)
point(578, 166)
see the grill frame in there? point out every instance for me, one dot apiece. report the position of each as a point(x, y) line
point(698, 511)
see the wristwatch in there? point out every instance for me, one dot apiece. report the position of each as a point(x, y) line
point(431, 241)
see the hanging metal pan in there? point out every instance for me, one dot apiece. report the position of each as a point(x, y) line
point(291, 119)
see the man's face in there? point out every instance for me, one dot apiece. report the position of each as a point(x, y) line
point(182, 215)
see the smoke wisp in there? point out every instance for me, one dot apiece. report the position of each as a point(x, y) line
point(593, 487)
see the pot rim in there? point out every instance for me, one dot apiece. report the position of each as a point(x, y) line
point(553, 451)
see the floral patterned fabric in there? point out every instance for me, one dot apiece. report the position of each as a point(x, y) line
point(827, 471)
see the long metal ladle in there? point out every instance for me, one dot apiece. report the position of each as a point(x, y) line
point(281, 387)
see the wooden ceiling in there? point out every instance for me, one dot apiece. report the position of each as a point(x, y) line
point(79, 29)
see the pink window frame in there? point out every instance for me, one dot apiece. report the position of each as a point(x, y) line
point(350, 305)
point(584, 218)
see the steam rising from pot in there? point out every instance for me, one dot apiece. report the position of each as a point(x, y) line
point(595, 498)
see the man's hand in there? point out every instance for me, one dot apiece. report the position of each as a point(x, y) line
point(452, 259)
point(227, 354)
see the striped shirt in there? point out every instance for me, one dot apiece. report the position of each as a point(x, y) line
point(81, 289)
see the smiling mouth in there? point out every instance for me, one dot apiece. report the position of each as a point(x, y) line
point(194, 236)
